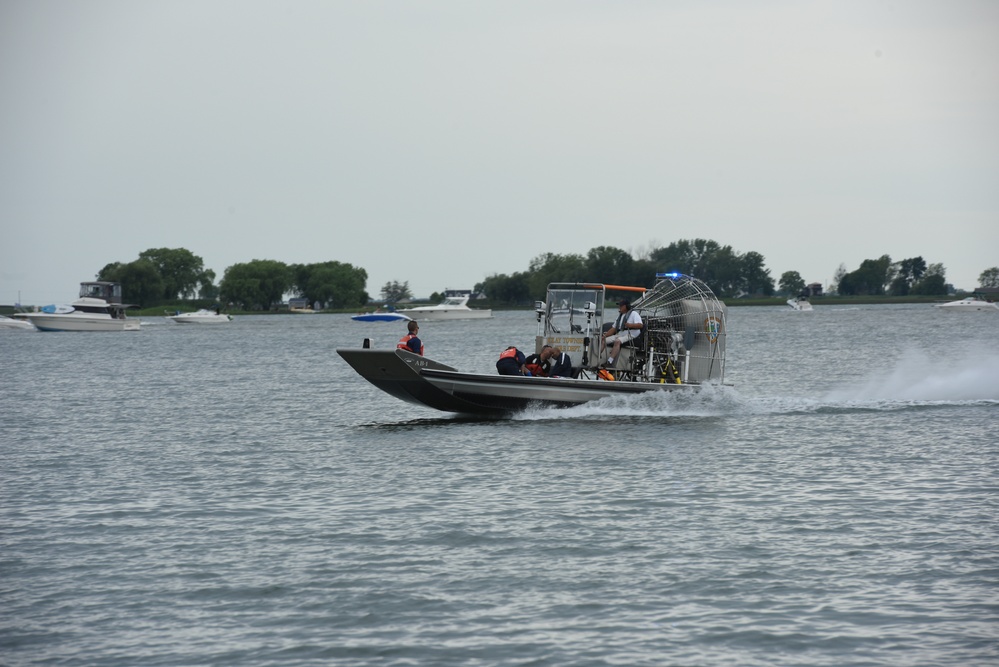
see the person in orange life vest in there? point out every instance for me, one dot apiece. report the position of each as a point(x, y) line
point(561, 364)
point(511, 362)
point(626, 327)
point(410, 341)
point(539, 364)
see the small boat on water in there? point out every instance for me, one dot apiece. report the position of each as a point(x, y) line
point(451, 308)
point(99, 308)
point(380, 317)
point(681, 347)
point(201, 316)
point(10, 324)
point(970, 303)
point(801, 303)
point(300, 307)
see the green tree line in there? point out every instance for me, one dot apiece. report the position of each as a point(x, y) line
point(881, 276)
point(727, 272)
point(165, 275)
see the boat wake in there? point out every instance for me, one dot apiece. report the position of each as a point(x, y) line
point(972, 380)
point(708, 401)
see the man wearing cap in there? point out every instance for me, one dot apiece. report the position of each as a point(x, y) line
point(627, 327)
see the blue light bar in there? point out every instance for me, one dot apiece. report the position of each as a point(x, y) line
point(674, 274)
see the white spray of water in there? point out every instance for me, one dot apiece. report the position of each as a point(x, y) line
point(708, 401)
point(920, 377)
point(912, 381)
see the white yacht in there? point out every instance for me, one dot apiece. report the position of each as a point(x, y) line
point(801, 303)
point(202, 316)
point(452, 308)
point(970, 303)
point(99, 308)
point(9, 323)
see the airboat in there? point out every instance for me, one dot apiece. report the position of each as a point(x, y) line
point(681, 347)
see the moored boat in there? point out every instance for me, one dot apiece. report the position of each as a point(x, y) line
point(451, 308)
point(801, 304)
point(681, 347)
point(970, 303)
point(201, 316)
point(10, 324)
point(99, 308)
point(301, 307)
point(379, 317)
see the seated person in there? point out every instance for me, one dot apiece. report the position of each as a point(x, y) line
point(561, 364)
point(411, 341)
point(539, 364)
point(626, 328)
point(511, 362)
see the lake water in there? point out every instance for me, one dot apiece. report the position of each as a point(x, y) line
point(236, 495)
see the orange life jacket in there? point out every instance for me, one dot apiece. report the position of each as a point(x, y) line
point(404, 343)
point(509, 354)
point(536, 370)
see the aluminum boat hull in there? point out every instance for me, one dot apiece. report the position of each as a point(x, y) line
point(423, 381)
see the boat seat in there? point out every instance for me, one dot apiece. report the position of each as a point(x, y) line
point(632, 358)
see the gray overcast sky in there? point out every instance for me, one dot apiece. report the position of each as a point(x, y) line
point(440, 142)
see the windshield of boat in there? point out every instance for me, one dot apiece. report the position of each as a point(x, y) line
point(567, 309)
point(110, 292)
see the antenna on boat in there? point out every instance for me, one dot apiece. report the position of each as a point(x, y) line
point(590, 309)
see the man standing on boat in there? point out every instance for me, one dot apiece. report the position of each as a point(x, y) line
point(626, 328)
point(410, 342)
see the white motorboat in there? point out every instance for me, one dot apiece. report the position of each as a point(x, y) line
point(201, 316)
point(801, 304)
point(452, 308)
point(969, 304)
point(10, 324)
point(99, 308)
point(682, 346)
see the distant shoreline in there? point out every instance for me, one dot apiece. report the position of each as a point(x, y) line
point(817, 301)
point(159, 311)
